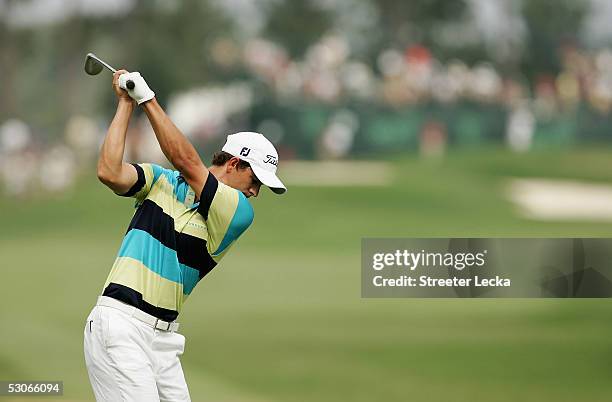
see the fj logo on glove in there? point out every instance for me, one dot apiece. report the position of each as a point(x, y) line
point(245, 151)
point(271, 159)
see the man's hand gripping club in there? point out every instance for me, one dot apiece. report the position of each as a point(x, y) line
point(141, 91)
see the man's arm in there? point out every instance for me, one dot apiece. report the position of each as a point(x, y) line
point(177, 148)
point(112, 171)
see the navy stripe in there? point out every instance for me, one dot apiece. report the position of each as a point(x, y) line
point(190, 250)
point(152, 219)
point(139, 183)
point(208, 193)
point(134, 298)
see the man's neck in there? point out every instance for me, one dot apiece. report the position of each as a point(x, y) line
point(218, 172)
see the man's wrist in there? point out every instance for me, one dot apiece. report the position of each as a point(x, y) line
point(125, 104)
point(147, 101)
point(148, 104)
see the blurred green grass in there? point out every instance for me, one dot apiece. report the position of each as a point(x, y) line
point(281, 319)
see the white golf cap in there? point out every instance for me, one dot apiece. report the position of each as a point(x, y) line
point(261, 155)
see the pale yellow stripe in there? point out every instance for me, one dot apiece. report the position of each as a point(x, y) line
point(162, 194)
point(220, 256)
point(148, 172)
point(220, 215)
point(155, 290)
point(196, 226)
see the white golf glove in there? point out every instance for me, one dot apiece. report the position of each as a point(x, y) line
point(141, 92)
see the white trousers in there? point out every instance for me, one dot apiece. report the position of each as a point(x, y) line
point(127, 360)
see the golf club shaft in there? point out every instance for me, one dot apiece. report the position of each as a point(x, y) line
point(129, 84)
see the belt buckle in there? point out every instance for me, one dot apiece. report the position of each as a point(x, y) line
point(157, 320)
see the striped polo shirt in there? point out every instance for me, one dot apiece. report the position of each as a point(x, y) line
point(173, 242)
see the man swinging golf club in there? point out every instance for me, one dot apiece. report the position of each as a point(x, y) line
point(186, 220)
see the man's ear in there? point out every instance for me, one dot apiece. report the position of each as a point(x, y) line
point(232, 164)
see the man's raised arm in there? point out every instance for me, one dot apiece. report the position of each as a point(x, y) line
point(177, 148)
point(112, 171)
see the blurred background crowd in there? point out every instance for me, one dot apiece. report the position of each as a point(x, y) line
point(360, 79)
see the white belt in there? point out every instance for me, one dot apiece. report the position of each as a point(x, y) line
point(132, 311)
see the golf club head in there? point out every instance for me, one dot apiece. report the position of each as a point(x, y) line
point(92, 66)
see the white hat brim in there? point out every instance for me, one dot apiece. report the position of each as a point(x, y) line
point(269, 179)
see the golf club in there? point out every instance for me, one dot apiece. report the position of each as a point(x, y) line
point(94, 65)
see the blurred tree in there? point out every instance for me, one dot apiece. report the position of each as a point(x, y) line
point(296, 24)
point(550, 23)
point(9, 63)
point(409, 22)
point(42, 63)
point(7, 100)
point(170, 42)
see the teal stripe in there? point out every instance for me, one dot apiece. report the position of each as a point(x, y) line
point(179, 186)
point(158, 258)
point(169, 174)
point(242, 219)
point(180, 189)
point(191, 276)
point(157, 171)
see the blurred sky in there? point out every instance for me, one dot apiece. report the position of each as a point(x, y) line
point(597, 24)
point(34, 12)
point(499, 19)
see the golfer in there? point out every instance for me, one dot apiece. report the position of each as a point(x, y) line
point(186, 220)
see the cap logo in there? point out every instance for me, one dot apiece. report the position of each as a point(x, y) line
point(245, 151)
point(271, 160)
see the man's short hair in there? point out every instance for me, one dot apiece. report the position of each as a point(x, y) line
point(221, 157)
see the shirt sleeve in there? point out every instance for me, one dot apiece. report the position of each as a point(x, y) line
point(148, 174)
point(227, 213)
